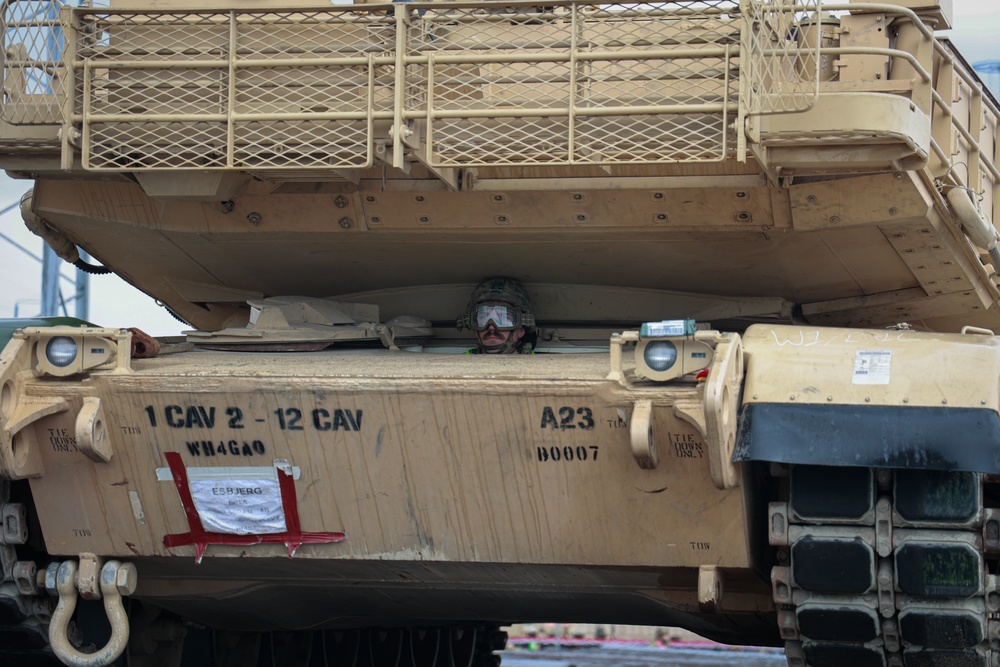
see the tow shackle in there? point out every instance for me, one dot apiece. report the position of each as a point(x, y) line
point(116, 579)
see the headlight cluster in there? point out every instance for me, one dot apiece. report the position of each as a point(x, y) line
point(65, 351)
point(668, 350)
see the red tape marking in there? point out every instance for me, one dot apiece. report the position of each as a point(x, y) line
point(292, 538)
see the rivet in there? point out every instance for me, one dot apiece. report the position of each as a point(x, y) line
point(982, 402)
point(657, 195)
point(868, 399)
point(944, 401)
point(418, 198)
point(811, 199)
point(893, 211)
point(341, 201)
point(898, 175)
point(577, 196)
point(581, 217)
point(661, 217)
point(375, 219)
point(755, 397)
point(834, 218)
point(906, 400)
point(792, 397)
point(254, 218)
point(370, 198)
point(228, 206)
point(741, 195)
point(424, 219)
point(346, 223)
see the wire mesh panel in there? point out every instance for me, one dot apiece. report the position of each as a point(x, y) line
point(34, 73)
point(781, 67)
point(466, 84)
point(580, 84)
point(240, 89)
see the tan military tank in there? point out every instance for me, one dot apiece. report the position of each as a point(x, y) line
point(758, 246)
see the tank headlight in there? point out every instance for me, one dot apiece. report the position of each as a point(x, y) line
point(660, 355)
point(61, 351)
point(669, 350)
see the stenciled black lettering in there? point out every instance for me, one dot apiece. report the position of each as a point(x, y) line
point(174, 416)
point(321, 419)
point(566, 418)
point(549, 418)
point(193, 418)
point(235, 417)
point(289, 418)
point(151, 413)
point(340, 420)
point(225, 448)
point(354, 419)
point(566, 453)
point(207, 416)
point(587, 421)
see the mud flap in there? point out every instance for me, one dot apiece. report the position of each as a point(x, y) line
point(958, 439)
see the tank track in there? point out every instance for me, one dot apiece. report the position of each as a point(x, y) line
point(886, 568)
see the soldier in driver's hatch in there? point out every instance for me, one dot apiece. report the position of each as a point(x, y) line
point(500, 314)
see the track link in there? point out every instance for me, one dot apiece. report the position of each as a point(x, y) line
point(886, 568)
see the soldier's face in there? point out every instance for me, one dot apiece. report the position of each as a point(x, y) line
point(492, 340)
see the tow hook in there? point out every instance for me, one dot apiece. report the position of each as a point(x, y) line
point(91, 581)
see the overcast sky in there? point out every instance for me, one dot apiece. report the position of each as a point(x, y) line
point(115, 303)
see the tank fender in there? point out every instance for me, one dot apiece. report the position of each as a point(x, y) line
point(888, 399)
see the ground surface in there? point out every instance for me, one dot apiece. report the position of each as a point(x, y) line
point(640, 656)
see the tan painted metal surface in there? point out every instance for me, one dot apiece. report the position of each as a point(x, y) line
point(736, 163)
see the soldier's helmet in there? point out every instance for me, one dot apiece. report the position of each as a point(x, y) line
point(502, 301)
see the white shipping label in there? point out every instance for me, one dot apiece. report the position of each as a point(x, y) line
point(872, 366)
point(246, 505)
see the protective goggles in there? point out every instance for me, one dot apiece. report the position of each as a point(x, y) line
point(501, 315)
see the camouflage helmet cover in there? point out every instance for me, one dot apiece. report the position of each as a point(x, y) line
point(502, 290)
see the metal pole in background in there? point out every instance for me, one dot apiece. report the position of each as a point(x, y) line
point(83, 290)
point(50, 282)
